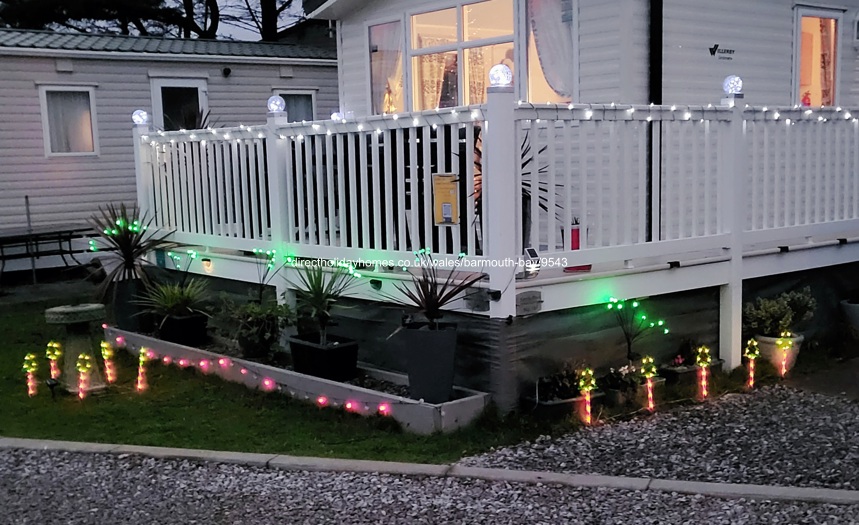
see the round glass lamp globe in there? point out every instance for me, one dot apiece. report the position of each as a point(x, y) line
point(140, 116)
point(275, 104)
point(500, 75)
point(732, 85)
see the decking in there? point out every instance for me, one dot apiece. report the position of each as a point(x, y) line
point(663, 198)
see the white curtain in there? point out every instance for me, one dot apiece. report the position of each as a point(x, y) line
point(551, 22)
point(69, 121)
point(386, 64)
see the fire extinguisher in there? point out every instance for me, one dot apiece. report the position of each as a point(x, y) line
point(806, 98)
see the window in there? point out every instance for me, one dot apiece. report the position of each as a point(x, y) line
point(386, 68)
point(816, 57)
point(452, 50)
point(68, 120)
point(551, 57)
point(300, 105)
point(180, 103)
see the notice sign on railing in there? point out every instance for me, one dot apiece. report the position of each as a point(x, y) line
point(445, 189)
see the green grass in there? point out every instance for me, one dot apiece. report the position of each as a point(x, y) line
point(185, 409)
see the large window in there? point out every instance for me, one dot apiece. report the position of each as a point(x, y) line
point(452, 50)
point(817, 51)
point(180, 103)
point(386, 68)
point(68, 120)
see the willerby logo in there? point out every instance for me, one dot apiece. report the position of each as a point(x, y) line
point(721, 53)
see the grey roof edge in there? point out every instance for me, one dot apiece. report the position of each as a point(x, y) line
point(37, 40)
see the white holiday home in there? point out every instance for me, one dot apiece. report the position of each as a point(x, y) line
point(613, 153)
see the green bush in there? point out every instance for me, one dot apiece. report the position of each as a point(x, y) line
point(783, 313)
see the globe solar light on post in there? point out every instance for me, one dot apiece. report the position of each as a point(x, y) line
point(500, 76)
point(140, 117)
point(276, 107)
point(733, 88)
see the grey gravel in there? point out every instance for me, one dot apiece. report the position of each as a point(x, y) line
point(774, 436)
point(79, 488)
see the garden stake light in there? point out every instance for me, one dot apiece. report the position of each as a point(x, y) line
point(30, 368)
point(703, 361)
point(648, 370)
point(83, 365)
point(53, 353)
point(784, 344)
point(752, 352)
point(587, 383)
point(107, 356)
point(141, 370)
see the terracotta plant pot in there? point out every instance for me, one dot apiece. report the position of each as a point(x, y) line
point(770, 351)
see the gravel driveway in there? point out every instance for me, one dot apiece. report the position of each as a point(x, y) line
point(74, 488)
point(774, 436)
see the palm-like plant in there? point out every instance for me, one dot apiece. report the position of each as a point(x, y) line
point(316, 294)
point(430, 292)
point(124, 234)
point(177, 299)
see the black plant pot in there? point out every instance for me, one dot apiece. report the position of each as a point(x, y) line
point(430, 360)
point(189, 330)
point(254, 346)
point(337, 360)
point(126, 313)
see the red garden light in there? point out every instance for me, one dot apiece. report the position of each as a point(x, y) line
point(83, 365)
point(648, 370)
point(30, 368)
point(703, 360)
point(107, 357)
point(587, 383)
point(53, 353)
point(752, 352)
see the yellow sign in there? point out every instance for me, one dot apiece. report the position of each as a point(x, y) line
point(445, 189)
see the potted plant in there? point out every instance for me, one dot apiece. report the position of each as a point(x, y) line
point(682, 367)
point(257, 325)
point(774, 322)
point(431, 343)
point(620, 385)
point(182, 310)
point(850, 308)
point(558, 394)
point(125, 238)
point(314, 351)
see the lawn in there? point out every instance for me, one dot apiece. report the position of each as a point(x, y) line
point(186, 409)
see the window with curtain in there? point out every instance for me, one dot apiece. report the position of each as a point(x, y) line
point(817, 53)
point(550, 51)
point(299, 106)
point(453, 49)
point(68, 116)
point(386, 68)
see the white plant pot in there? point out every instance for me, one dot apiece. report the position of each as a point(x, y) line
point(770, 351)
point(851, 312)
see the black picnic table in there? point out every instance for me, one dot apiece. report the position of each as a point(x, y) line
point(41, 241)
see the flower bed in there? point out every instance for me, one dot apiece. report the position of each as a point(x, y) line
point(415, 416)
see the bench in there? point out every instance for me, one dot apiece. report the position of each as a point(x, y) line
point(42, 241)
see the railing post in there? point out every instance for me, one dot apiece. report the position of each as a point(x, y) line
point(143, 169)
point(732, 174)
point(275, 147)
point(500, 190)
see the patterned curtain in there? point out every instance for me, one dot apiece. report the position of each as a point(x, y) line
point(477, 77)
point(827, 62)
point(430, 74)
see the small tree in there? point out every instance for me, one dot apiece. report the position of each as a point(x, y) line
point(634, 323)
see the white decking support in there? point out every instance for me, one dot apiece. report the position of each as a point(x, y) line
point(142, 164)
point(733, 207)
point(501, 189)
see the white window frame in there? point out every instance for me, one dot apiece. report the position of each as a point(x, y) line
point(156, 84)
point(821, 12)
point(46, 131)
point(458, 46)
point(298, 91)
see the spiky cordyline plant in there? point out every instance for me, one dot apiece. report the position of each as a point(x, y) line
point(124, 234)
point(430, 292)
point(316, 295)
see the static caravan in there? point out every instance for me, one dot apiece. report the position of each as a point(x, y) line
point(66, 102)
point(614, 157)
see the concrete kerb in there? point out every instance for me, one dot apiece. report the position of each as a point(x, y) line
point(299, 463)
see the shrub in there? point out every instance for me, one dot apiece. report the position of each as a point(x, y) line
point(783, 313)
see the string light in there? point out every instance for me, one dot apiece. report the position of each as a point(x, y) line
point(83, 366)
point(784, 345)
point(141, 384)
point(31, 366)
point(587, 383)
point(648, 370)
point(322, 401)
point(703, 361)
point(107, 356)
point(752, 352)
point(53, 353)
